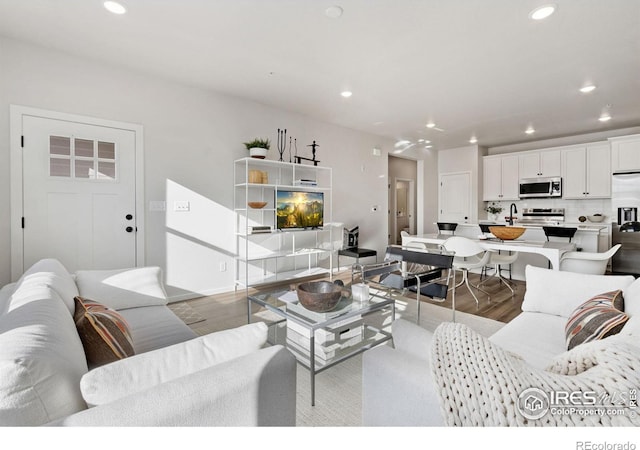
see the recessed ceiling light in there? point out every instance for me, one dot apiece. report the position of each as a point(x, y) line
point(530, 130)
point(346, 94)
point(431, 125)
point(398, 151)
point(542, 12)
point(605, 117)
point(587, 89)
point(333, 12)
point(115, 7)
point(473, 140)
point(402, 143)
point(428, 146)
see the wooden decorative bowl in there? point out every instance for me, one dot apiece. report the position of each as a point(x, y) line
point(319, 296)
point(257, 205)
point(507, 233)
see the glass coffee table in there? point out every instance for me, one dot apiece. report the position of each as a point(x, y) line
point(321, 340)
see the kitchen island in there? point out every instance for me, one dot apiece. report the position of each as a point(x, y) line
point(590, 237)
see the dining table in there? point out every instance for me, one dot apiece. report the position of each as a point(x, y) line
point(552, 250)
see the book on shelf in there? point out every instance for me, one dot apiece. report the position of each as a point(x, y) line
point(322, 352)
point(343, 307)
point(340, 330)
point(255, 229)
point(305, 182)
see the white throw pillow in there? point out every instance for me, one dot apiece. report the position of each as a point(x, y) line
point(123, 288)
point(137, 373)
point(50, 272)
point(560, 293)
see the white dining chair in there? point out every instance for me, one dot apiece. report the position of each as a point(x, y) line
point(587, 262)
point(468, 255)
point(497, 260)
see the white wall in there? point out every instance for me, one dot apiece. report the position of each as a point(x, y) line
point(192, 137)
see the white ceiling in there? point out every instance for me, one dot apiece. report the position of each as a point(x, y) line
point(474, 67)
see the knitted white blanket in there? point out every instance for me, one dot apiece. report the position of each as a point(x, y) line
point(480, 384)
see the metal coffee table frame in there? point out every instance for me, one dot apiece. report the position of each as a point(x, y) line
point(372, 336)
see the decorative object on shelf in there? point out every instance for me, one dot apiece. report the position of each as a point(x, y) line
point(258, 177)
point(582, 219)
point(290, 139)
point(299, 159)
point(282, 142)
point(507, 233)
point(319, 296)
point(257, 205)
point(258, 147)
point(596, 218)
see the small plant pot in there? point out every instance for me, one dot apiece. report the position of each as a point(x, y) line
point(257, 152)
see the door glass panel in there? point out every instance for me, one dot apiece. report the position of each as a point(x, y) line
point(84, 169)
point(59, 167)
point(59, 145)
point(106, 170)
point(106, 150)
point(84, 147)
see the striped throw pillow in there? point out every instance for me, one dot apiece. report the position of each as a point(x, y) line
point(103, 331)
point(597, 318)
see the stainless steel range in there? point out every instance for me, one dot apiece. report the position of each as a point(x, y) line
point(542, 216)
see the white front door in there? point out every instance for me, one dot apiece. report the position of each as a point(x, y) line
point(79, 194)
point(455, 197)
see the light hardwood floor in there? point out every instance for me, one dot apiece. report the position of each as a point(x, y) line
point(229, 310)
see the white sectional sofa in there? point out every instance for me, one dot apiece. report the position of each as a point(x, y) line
point(412, 382)
point(175, 378)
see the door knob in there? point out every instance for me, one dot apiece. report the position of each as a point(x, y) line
point(128, 217)
point(129, 229)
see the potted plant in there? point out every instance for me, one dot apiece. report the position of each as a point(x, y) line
point(258, 147)
point(493, 209)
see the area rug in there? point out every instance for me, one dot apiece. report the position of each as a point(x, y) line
point(186, 313)
point(339, 389)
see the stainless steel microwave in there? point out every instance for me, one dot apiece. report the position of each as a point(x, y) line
point(540, 187)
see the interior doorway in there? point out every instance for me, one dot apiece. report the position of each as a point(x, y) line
point(402, 198)
point(454, 197)
point(404, 208)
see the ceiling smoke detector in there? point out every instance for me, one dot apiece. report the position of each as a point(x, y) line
point(333, 12)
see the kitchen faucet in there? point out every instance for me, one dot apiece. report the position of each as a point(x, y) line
point(512, 209)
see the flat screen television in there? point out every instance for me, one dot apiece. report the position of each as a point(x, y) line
point(299, 209)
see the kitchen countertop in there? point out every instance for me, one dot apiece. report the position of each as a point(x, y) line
point(591, 227)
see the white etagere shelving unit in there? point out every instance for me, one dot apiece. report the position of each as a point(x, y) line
point(278, 255)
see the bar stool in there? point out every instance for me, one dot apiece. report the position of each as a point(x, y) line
point(447, 227)
point(559, 232)
point(357, 253)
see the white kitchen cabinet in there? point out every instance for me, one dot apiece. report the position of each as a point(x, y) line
point(586, 171)
point(625, 153)
point(500, 177)
point(545, 163)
